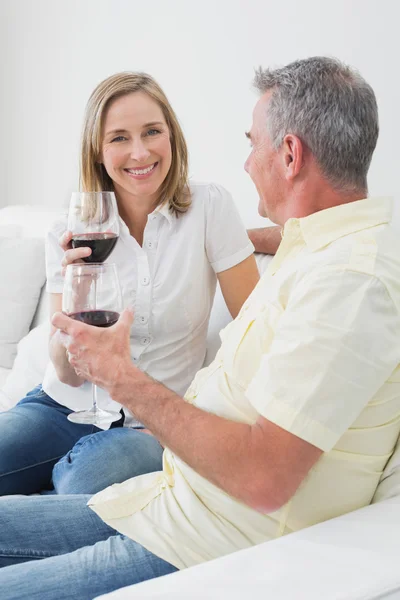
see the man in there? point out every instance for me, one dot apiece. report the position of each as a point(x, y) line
point(296, 417)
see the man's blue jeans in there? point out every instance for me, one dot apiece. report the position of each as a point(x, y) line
point(55, 548)
point(40, 448)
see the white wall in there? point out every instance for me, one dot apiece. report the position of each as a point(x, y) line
point(203, 53)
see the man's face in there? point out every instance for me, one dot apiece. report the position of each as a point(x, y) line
point(263, 163)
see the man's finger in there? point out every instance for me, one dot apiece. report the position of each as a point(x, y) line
point(64, 323)
point(64, 339)
point(126, 319)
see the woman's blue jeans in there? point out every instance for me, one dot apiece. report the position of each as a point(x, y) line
point(41, 450)
point(56, 548)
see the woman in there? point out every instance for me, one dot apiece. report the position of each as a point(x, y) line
point(176, 240)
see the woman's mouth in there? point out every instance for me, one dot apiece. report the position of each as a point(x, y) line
point(143, 172)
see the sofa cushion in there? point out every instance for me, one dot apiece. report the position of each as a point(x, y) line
point(22, 275)
point(389, 484)
point(32, 221)
point(29, 366)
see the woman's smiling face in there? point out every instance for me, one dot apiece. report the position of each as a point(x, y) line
point(136, 148)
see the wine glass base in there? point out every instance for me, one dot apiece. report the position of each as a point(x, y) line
point(96, 416)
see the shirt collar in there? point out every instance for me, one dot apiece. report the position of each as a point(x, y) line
point(324, 227)
point(164, 210)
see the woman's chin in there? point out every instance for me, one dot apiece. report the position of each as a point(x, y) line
point(142, 188)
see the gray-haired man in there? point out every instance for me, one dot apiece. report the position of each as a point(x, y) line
point(296, 417)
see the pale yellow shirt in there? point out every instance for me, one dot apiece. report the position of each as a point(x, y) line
point(316, 350)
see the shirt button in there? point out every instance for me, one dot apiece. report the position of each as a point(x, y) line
point(150, 244)
point(134, 358)
point(145, 280)
point(145, 341)
point(143, 320)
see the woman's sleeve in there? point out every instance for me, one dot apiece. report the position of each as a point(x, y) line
point(227, 242)
point(54, 255)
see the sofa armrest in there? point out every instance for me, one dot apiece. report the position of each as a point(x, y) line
point(352, 557)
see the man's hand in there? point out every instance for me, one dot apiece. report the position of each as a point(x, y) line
point(266, 240)
point(101, 355)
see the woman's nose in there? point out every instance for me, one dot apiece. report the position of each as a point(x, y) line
point(139, 152)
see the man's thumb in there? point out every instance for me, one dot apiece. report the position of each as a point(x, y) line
point(126, 318)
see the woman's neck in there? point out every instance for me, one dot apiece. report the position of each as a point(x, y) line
point(134, 212)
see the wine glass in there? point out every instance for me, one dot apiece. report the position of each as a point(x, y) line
point(93, 221)
point(92, 295)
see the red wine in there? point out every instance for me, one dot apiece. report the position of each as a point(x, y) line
point(101, 244)
point(98, 318)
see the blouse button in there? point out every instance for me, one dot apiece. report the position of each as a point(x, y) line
point(145, 280)
point(145, 341)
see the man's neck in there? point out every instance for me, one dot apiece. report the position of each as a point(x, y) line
point(314, 198)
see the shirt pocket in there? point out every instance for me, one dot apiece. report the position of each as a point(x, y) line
point(395, 376)
point(247, 339)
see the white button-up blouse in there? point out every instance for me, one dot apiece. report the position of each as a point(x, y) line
point(170, 281)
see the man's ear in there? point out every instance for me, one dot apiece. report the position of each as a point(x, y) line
point(293, 152)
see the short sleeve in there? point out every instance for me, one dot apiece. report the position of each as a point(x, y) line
point(335, 345)
point(227, 242)
point(54, 255)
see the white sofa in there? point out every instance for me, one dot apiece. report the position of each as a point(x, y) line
point(355, 556)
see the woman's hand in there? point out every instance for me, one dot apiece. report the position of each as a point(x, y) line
point(58, 355)
point(71, 255)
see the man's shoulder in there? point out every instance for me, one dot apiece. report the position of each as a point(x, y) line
point(372, 253)
point(370, 250)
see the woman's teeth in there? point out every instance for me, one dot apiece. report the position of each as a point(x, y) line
point(141, 171)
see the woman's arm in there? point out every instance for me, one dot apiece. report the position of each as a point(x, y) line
point(238, 282)
point(266, 240)
point(58, 354)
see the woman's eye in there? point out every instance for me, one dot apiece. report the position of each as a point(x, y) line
point(119, 138)
point(152, 132)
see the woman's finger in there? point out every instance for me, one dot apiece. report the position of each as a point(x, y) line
point(75, 254)
point(65, 240)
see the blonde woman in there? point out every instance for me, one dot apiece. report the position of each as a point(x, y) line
point(177, 240)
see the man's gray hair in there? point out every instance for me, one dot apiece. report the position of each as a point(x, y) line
point(332, 109)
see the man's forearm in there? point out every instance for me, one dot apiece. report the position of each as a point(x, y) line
point(246, 461)
point(266, 240)
point(222, 451)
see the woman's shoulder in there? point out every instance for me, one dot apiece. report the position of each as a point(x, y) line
point(207, 193)
point(58, 225)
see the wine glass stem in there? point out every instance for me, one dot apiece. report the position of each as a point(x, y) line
point(94, 387)
point(94, 396)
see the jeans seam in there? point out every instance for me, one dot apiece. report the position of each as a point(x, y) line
point(72, 452)
point(26, 554)
point(31, 466)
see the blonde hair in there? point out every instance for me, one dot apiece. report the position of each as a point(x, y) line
point(94, 177)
